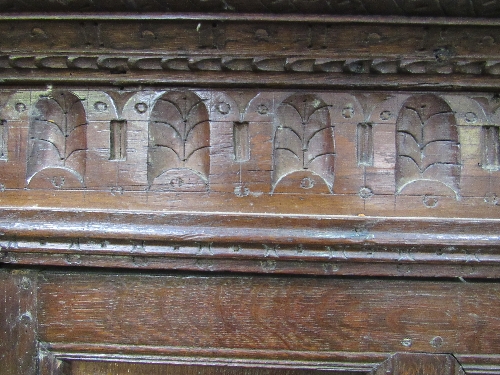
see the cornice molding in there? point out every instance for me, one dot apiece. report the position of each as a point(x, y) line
point(461, 8)
point(82, 46)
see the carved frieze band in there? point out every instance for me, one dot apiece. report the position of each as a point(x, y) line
point(251, 142)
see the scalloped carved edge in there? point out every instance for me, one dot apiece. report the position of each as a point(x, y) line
point(121, 63)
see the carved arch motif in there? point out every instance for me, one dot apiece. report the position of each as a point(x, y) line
point(304, 141)
point(57, 142)
point(427, 144)
point(179, 140)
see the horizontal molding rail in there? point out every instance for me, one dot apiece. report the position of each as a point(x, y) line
point(323, 245)
point(255, 17)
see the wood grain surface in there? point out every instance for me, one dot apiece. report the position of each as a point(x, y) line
point(277, 188)
point(346, 182)
point(287, 318)
point(228, 50)
point(117, 368)
point(18, 311)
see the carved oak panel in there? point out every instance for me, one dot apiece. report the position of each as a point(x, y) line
point(249, 157)
point(428, 147)
point(304, 143)
point(179, 141)
point(440, 149)
point(57, 142)
point(326, 143)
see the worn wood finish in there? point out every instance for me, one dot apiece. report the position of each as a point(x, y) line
point(257, 324)
point(308, 140)
point(100, 368)
point(406, 363)
point(382, 149)
point(49, 364)
point(398, 364)
point(186, 179)
point(461, 8)
point(223, 242)
point(267, 134)
point(265, 318)
point(18, 325)
point(335, 51)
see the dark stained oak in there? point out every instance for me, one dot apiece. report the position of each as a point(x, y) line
point(100, 368)
point(242, 50)
point(235, 187)
point(405, 363)
point(18, 324)
point(346, 182)
point(460, 8)
point(266, 314)
point(323, 320)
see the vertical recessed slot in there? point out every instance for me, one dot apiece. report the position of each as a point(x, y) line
point(491, 147)
point(206, 32)
point(118, 140)
point(241, 141)
point(3, 139)
point(365, 144)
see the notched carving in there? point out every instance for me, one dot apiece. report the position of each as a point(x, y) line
point(430, 201)
point(91, 34)
point(317, 36)
point(427, 147)
point(118, 140)
point(179, 142)
point(268, 265)
point(365, 192)
point(123, 64)
point(269, 64)
point(490, 140)
point(211, 35)
point(3, 139)
point(241, 141)
point(57, 142)
point(365, 144)
point(271, 251)
point(304, 151)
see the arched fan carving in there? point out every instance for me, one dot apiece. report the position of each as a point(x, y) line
point(179, 138)
point(58, 141)
point(304, 140)
point(427, 143)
